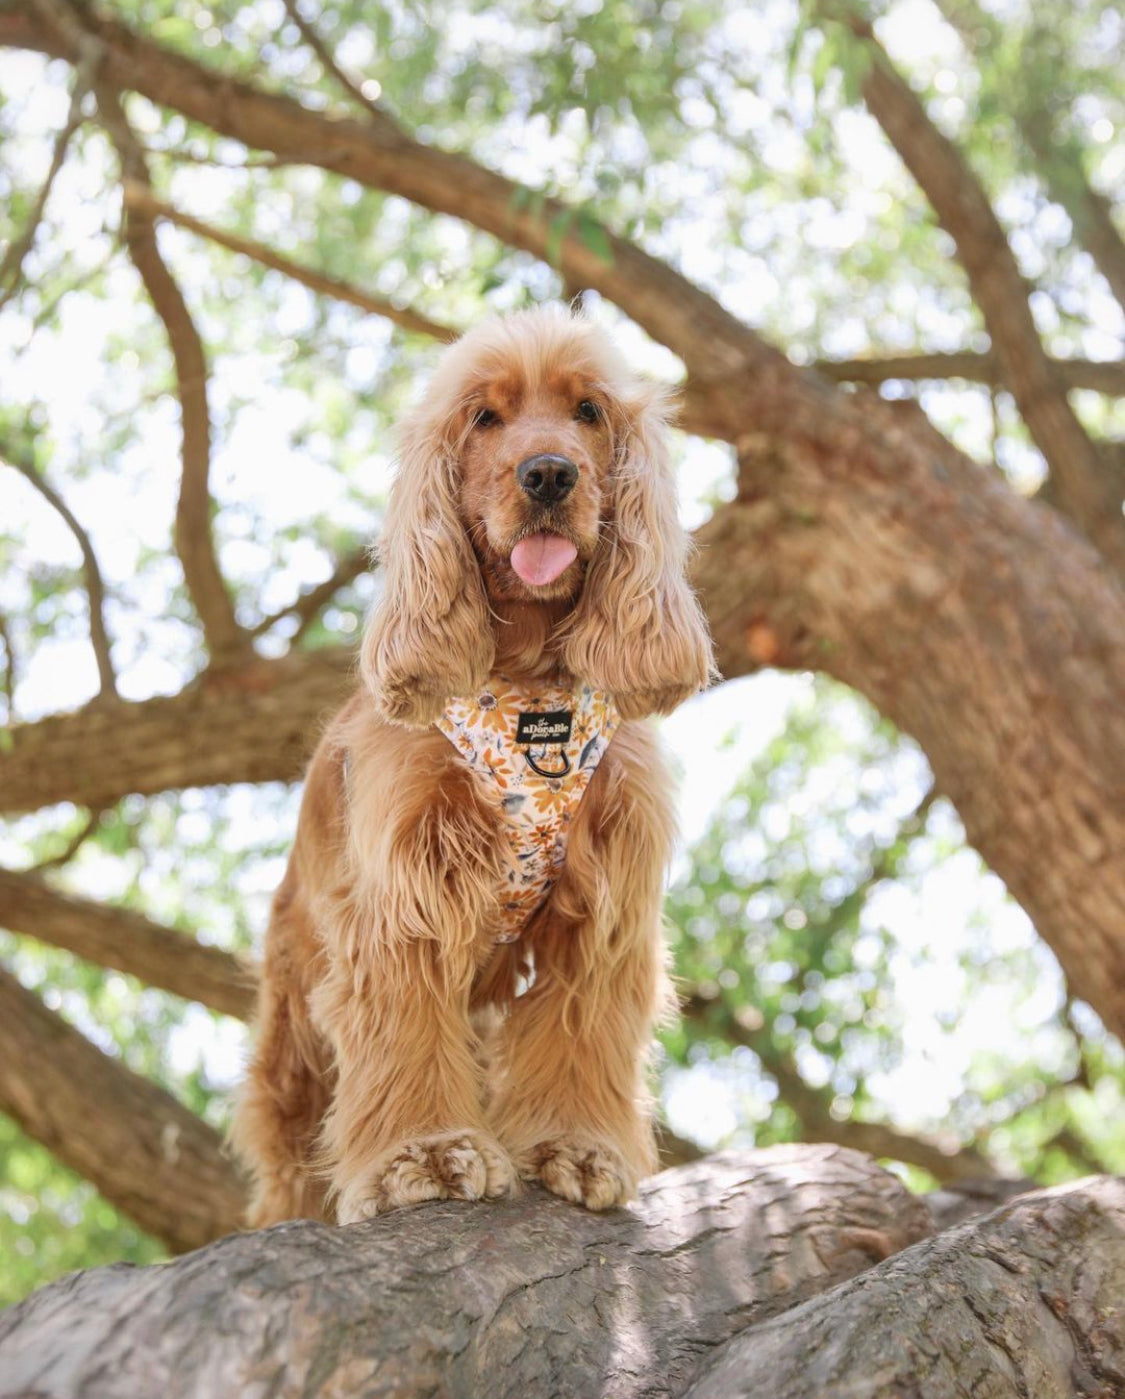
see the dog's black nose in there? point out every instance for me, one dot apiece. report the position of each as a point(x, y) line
point(547, 479)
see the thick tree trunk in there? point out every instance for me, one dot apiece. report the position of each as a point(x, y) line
point(736, 1275)
point(867, 547)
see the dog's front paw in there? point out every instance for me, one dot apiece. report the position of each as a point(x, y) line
point(465, 1165)
point(593, 1174)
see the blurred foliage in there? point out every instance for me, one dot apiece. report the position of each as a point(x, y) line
point(53, 1222)
point(804, 953)
point(834, 936)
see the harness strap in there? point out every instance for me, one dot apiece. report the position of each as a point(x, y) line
point(533, 747)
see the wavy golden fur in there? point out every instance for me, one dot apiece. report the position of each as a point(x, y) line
point(402, 1054)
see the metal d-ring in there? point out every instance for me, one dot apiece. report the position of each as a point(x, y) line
point(545, 772)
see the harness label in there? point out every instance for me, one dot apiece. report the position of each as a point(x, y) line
point(551, 727)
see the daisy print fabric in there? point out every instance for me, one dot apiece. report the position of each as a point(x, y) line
point(534, 750)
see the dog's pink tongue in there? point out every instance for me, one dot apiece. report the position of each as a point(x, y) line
point(540, 558)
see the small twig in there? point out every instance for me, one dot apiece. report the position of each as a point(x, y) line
point(1066, 1139)
point(1081, 1078)
point(71, 848)
point(912, 824)
point(11, 266)
point(676, 1150)
point(140, 198)
point(308, 605)
point(328, 59)
point(76, 283)
point(181, 157)
point(95, 588)
point(9, 669)
point(995, 428)
point(945, 1160)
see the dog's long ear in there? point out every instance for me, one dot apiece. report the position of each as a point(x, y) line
point(638, 630)
point(429, 636)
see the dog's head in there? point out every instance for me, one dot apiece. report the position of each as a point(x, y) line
point(535, 474)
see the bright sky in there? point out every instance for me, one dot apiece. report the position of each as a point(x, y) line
point(257, 466)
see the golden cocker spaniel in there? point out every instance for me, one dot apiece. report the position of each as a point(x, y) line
point(464, 960)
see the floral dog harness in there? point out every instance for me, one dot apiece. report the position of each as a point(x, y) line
point(534, 749)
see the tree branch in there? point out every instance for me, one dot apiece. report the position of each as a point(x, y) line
point(145, 1152)
point(226, 639)
point(379, 153)
point(675, 1150)
point(9, 682)
point(12, 454)
point(1013, 1304)
point(947, 1161)
point(307, 607)
point(267, 714)
point(71, 848)
point(792, 1273)
point(11, 265)
point(187, 157)
point(141, 198)
point(1103, 376)
point(128, 942)
point(1059, 163)
point(328, 59)
point(1089, 495)
point(522, 1297)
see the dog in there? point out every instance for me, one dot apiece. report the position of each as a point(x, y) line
point(464, 964)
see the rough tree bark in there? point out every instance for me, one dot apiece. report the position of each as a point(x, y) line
point(1026, 1302)
point(795, 1271)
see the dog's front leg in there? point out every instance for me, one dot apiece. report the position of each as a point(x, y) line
point(406, 1122)
point(571, 1105)
point(570, 1100)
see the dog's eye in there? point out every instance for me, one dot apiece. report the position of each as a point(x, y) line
point(486, 418)
point(587, 411)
